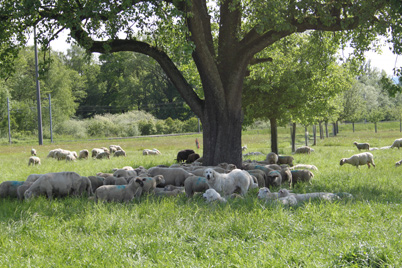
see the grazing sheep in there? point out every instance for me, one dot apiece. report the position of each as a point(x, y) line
point(303, 166)
point(103, 155)
point(21, 189)
point(96, 182)
point(397, 164)
point(59, 184)
point(83, 154)
point(397, 143)
point(362, 146)
point(285, 160)
point(33, 160)
point(9, 188)
point(274, 179)
point(33, 177)
point(114, 148)
point(359, 160)
point(173, 176)
point(183, 155)
point(119, 193)
point(265, 193)
point(150, 183)
point(119, 153)
point(70, 157)
point(212, 195)
point(303, 150)
point(195, 184)
point(192, 157)
point(96, 151)
point(244, 148)
point(301, 175)
point(272, 158)
point(33, 152)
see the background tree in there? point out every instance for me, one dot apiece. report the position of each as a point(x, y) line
point(222, 39)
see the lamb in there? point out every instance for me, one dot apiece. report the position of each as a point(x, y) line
point(119, 153)
point(301, 175)
point(309, 196)
point(362, 146)
point(272, 158)
point(120, 193)
point(303, 150)
point(192, 157)
point(211, 195)
point(33, 152)
point(195, 184)
point(33, 160)
point(285, 160)
point(397, 143)
point(359, 160)
point(103, 155)
point(9, 188)
point(288, 200)
point(83, 154)
point(173, 176)
point(265, 193)
point(304, 166)
point(183, 155)
point(150, 183)
point(59, 184)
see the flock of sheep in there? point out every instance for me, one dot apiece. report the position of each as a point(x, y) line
point(187, 176)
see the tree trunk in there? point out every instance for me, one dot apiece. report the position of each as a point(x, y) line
point(337, 127)
point(306, 136)
point(353, 125)
point(293, 137)
point(274, 135)
point(321, 130)
point(334, 129)
point(400, 124)
point(315, 134)
point(375, 127)
point(326, 129)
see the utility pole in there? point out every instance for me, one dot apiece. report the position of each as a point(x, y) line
point(40, 134)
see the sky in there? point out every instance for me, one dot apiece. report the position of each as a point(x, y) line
point(385, 61)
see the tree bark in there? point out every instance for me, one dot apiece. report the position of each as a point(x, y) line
point(326, 129)
point(334, 129)
point(306, 136)
point(293, 137)
point(274, 135)
point(321, 130)
point(315, 134)
point(353, 125)
point(375, 127)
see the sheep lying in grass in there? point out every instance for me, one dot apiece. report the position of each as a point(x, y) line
point(304, 150)
point(304, 166)
point(120, 193)
point(9, 188)
point(359, 160)
point(211, 195)
point(272, 158)
point(362, 146)
point(397, 143)
point(305, 197)
point(195, 184)
point(265, 193)
point(33, 160)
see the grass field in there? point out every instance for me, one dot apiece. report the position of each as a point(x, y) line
point(180, 232)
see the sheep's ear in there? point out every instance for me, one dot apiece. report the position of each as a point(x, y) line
point(139, 182)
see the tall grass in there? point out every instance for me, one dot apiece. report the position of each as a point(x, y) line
point(181, 232)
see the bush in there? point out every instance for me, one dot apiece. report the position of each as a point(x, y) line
point(161, 127)
point(191, 125)
point(174, 126)
point(147, 127)
point(74, 128)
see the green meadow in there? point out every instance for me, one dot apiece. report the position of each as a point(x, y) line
point(181, 232)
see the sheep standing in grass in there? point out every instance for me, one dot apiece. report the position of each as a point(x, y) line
point(302, 175)
point(33, 160)
point(120, 193)
point(83, 154)
point(272, 158)
point(397, 143)
point(397, 164)
point(119, 153)
point(304, 150)
point(96, 151)
point(33, 152)
point(103, 155)
point(362, 146)
point(150, 183)
point(274, 179)
point(195, 184)
point(359, 160)
point(288, 160)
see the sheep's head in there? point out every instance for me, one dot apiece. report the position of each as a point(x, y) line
point(355, 143)
point(211, 195)
point(263, 192)
point(397, 164)
point(342, 161)
point(283, 192)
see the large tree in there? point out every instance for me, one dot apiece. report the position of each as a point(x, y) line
point(223, 38)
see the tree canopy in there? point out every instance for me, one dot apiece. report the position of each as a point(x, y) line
point(222, 37)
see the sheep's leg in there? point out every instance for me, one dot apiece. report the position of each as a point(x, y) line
point(368, 164)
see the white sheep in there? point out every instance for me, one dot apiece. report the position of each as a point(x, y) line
point(359, 160)
point(151, 152)
point(308, 196)
point(304, 166)
point(120, 193)
point(362, 146)
point(173, 176)
point(288, 160)
point(244, 148)
point(70, 157)
point(272, 158)
point(83, 154)
point(150, 183)
point(119, 153)
point(265, 193)
point(304, 150)
point(195, 184)
point(33, 152)
point(33, 160)
point(96, 151)
point(211, 195)
point(397, 143)
point(103, 155)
